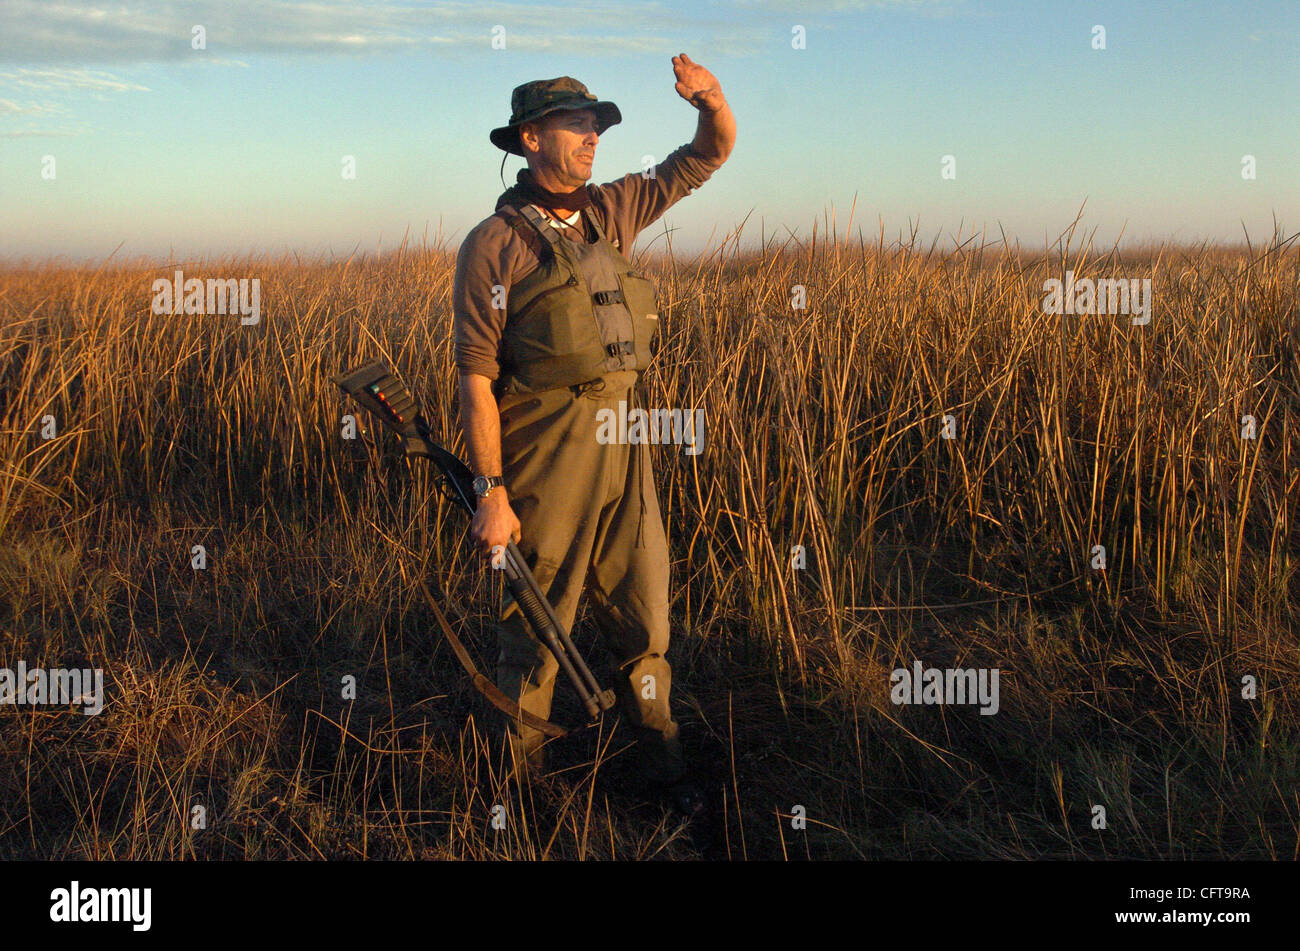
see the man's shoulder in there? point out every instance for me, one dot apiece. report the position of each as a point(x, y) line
point(492, 230)
point(503, 244)
point(492, 239)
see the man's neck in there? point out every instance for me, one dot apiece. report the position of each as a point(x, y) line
point(543, 178)
point(559, 206)
point(560, 214)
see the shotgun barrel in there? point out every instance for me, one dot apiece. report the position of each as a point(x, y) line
point(381, 392)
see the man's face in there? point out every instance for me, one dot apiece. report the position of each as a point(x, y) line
point(564, 143)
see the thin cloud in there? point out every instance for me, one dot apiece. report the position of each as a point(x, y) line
point(569, 42)
point(68, 79)
point(815, 7)
point(36, 134)
point(10, 108)
point(154, 31)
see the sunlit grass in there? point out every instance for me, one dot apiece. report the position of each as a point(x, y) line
point(824, 426)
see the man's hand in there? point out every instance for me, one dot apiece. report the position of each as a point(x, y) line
point(494, 523)
point(715, 130)
point(697, 85)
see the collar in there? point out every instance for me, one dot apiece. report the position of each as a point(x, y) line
point(526, 190)
point(571, 221)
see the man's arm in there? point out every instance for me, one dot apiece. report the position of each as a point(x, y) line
point(715, 132)
point(635, 201)
point(494, 520)
point(480, 421)
point(483, 265)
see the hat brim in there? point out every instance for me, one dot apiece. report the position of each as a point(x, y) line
point(507, 137)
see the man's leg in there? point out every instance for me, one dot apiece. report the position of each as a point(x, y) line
point(629, 597)
point(556, 476)
point(526, 669)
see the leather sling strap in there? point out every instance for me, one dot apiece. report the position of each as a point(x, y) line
point(484, 686)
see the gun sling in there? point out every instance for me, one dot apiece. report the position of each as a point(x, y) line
point(376, 388)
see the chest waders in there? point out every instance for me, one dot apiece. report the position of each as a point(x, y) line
point(376, 388)
point(582, 313)
point(577, 336)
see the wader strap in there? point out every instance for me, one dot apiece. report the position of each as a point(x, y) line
point(486, 687)
point(600, 234)
point(552, 235)
point(541, 225)
point(530, 238)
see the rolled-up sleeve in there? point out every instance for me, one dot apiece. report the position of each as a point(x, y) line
point(477, 325)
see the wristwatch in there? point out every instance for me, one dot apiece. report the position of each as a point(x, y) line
point(485, 484)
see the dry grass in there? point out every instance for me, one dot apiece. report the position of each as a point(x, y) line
point(1119, 688)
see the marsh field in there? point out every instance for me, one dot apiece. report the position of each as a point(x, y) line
point(1161, 687)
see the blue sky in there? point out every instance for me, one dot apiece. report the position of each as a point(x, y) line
point(237, 148)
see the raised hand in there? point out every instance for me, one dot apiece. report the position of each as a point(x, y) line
point(696, 84)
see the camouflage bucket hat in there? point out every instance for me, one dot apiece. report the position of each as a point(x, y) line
point(534, 100)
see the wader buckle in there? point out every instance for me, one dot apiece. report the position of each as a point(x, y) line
point(608, 297)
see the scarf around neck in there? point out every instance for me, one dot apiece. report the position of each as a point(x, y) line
point(527, 191)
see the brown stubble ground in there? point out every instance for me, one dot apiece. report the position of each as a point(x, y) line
point(1119, 688)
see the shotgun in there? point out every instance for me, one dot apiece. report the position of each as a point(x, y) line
point(380, 391)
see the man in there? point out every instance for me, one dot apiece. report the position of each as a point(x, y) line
point(552, 325)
